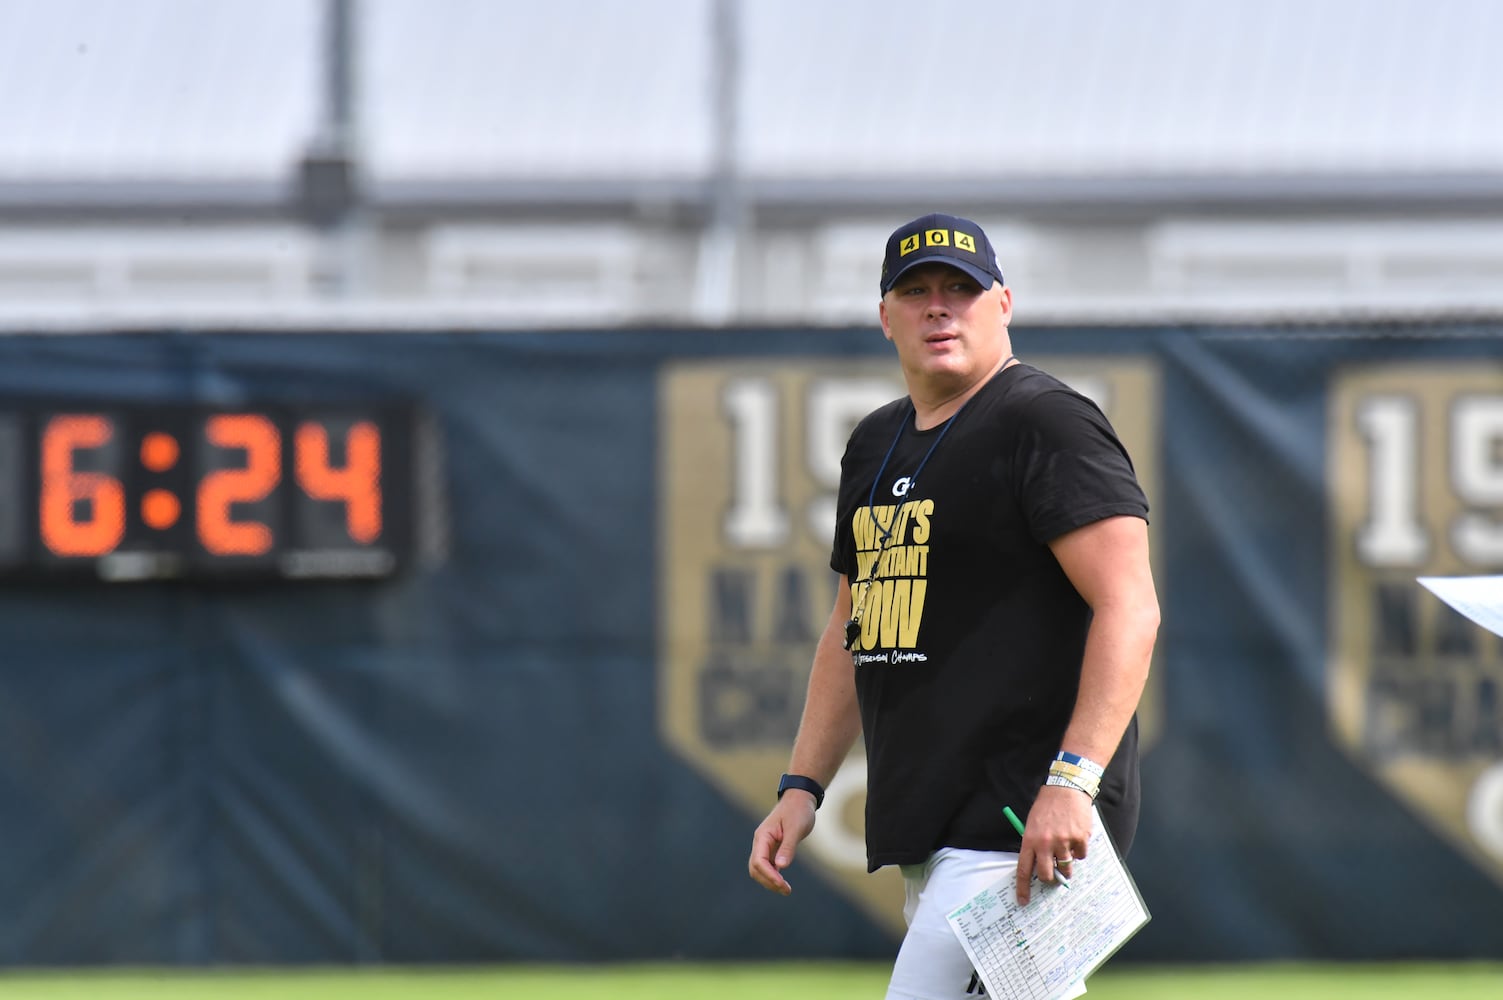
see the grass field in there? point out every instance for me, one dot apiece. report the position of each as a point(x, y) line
point(825, 981)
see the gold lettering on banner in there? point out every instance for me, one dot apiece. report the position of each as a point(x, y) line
point(1414, 690)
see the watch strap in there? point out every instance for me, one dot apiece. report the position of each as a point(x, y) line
point(809, 785)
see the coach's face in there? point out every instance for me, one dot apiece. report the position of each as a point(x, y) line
point(947, 329)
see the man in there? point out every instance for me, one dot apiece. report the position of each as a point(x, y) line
point(993, 622)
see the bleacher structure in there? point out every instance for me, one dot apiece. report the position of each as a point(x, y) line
point(586, 163)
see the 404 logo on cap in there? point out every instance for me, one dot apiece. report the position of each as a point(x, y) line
point(957, 238)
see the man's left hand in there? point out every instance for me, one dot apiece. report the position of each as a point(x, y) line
point(1057, 830)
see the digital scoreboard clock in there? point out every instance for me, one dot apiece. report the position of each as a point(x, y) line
point(135, 492)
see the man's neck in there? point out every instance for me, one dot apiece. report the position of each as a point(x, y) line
point(934, 407)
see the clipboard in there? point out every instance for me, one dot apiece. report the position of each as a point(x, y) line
point(1046, 949)
point(1479, 598)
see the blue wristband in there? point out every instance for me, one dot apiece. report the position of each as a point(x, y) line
point(1084, 763)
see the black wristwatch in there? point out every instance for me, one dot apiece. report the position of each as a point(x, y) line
point(809, 785)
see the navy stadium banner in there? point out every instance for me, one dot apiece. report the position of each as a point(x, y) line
point(463, 647)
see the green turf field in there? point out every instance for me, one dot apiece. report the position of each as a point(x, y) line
point(825, 981)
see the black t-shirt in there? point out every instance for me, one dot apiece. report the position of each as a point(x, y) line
point(969, 658)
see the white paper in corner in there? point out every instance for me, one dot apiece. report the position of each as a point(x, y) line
point(1480, 598)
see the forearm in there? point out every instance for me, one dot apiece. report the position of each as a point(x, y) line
point(1119, 648)
point(831, 719)
point(830, 724)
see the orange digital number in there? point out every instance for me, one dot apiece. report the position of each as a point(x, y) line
point(357, 484)
point(65, 487)
point(217, 530)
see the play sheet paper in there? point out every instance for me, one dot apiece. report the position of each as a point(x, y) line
point(1480, 598)
point(1040, 951)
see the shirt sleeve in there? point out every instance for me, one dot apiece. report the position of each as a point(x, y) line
point(842, 555)
point(1072, 469)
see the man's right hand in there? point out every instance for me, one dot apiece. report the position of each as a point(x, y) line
point(777, 839)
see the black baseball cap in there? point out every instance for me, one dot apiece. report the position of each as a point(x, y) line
point(946, 239)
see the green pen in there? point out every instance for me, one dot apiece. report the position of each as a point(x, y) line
point(1017, 825)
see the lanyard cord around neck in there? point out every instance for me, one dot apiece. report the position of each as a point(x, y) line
point(871, 497)
point(853, 626)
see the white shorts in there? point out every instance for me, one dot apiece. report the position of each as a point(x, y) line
point(931, 964)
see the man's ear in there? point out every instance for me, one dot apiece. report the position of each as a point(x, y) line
point(882, 317)
point(1006, 304)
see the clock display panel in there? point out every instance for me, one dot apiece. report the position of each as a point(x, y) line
point(149, 492)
